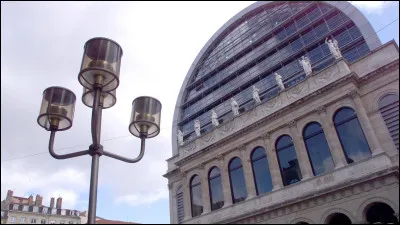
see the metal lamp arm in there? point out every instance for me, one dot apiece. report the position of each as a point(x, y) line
point(137, 159)
point(65, 156)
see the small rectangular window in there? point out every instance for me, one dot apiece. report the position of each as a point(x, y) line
point(25, 208)
point(13, 219)
point(52, 222)
point(23, 219)
point(33, 220)
point(15, 207)
point(43, 221)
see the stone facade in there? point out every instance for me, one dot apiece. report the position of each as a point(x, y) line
point(349, 189)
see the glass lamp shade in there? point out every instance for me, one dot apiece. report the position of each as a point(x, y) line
point(100, 64)
point(107, 99)
point(57, 109)
point(145, 117)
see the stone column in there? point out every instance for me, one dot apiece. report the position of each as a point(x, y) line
point(331, 137)
point(365, 123)
point(172, 206)
point(248, 173)
point(301, 151)
point(272, 162)
point(226, 185)
point(186, 197)
point(205, 190)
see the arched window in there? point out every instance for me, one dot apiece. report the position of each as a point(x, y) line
point(317, 149)
point(262, 176)
point(338, 218)
point(215, 184)
point(236, 177)
point(180, 211)
point(389, 108)
point(195, 196)
point(351, 136)
point(287, 158)
point(380, 213)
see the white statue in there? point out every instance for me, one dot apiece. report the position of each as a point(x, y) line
point(235, 107)
point(278, 79)
point(214, 118)
point(305, 62)
point(256, 97)
point(180, 137)
point(197, 127)
point(334, 48)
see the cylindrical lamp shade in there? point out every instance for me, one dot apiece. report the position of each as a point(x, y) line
point(107, 99)
point(57, 109)
point(145, 117)
point(100, 64)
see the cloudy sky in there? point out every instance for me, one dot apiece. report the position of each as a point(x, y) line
point(42, 46)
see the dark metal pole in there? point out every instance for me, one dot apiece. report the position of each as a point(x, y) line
point(93, 189)
point(96, 129)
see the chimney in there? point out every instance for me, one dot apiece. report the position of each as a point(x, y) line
point(38, 200)
point(52, 203)
point(59, 203)
point(9, 195)
point(30, 200)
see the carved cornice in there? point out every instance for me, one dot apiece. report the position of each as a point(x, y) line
point(265, 136)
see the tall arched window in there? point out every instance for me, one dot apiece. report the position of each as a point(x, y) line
point(236, 177)
point(317, 149)
point(287, 158)
point(389, 108)
point(351, 136)
point(215, 184)
point(195, 196)
point(262, 176)
point(180, 211)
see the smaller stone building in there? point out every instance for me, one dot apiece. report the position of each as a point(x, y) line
point(19, 210)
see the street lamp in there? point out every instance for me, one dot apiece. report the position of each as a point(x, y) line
point(99, 76)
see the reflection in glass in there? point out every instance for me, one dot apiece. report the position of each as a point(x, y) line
point(288, 163)
point(215, 184)
point(238, 184)
point(351, 136)
point(262, 176)
point(195, 196)
point(318, 149)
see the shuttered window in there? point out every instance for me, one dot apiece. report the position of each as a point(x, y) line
point(389, 108)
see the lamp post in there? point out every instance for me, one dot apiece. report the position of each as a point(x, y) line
point(99, 76)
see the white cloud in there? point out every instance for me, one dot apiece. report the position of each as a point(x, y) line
point(374, 6)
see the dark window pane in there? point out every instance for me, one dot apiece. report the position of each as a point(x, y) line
point(284, 141)
point(351, 136)
point(261, 172)
point(344, 114)
point(238, 184)
point(318, 149)
point(288, 162)
point(235, 163)
point(216, 194)
point(311, 129)
point(196, 197)
point(214, 172)
point(257, 153)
